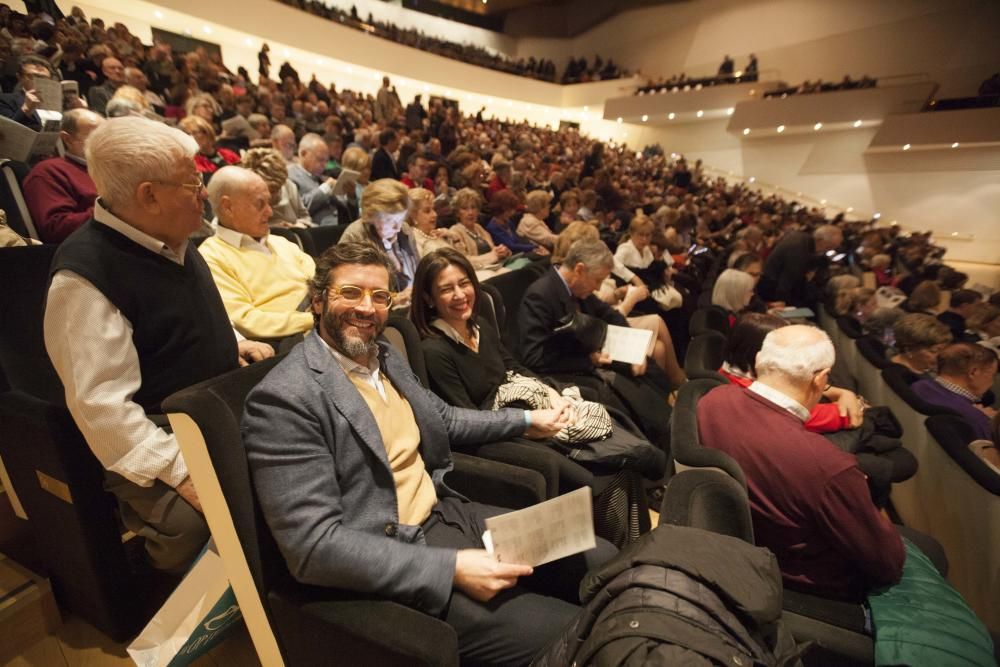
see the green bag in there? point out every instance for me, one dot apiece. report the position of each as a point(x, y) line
point(922, 620)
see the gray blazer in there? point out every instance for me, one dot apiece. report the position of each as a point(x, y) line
point(324, 483)
point(319, 203)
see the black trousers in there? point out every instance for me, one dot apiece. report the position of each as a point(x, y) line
point(517, 624)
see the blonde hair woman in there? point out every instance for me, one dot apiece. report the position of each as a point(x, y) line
point(356, 159)
point(209, 159)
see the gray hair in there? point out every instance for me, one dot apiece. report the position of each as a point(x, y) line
point(227, 181)
point(310, 141)
point(592, 253)
point(125, 152)
point(119, 107)
point(731, 288)
point(796, 352)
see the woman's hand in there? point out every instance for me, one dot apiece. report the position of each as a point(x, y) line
point(546, 423)
point(849, 404)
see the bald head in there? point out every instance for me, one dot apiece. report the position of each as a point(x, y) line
point(229, 181)
point(77, 124)
point(283, 141)
point(240, 200)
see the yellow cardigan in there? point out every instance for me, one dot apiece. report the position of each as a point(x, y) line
point(261, 292)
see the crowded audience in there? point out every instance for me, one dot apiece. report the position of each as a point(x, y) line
point(420, 208)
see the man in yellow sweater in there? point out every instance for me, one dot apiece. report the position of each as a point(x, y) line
point(263, 279)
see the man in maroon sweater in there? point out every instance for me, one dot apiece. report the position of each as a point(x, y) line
point(59, 192)
point(809, 501)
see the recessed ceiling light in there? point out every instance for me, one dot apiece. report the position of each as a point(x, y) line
point(249, 42)
point(158, 14)
point(619, 119)
point(850, 209)
point(857, 123)
point(746, 131)
point(906, 147)
point(781, 128)
point(876, 216)
point(823, 202)
point(671, 115)
point(752, 179)
point(955, 145)
point(818, 126)
point(700, 113)
point(644, 118)
point(730, 111)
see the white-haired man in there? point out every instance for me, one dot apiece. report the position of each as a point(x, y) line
point(262, 278)
point(809, 500)
point(132, 315)
point(307, 174)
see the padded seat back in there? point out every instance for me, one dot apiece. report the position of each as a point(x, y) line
point(12, 198)
point(512, 286)
point(315, 240)
point(704, 354)
point(848, 330)
point(685, 442)
point(708, 499)
point(24, 274)
point(405, 338)
point(712, 318)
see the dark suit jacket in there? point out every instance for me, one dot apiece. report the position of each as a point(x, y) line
point(10, 107)
point(545, 303)
point(383, 166)
point(784, 277)
point(325, 485)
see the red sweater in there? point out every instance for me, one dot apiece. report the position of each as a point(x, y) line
point(824, 418)
point(809, 501)
point(60, 197)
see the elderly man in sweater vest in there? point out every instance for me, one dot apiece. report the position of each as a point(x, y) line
point(262, 278)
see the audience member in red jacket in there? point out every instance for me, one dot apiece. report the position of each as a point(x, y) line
point(59, 192)
point(738, 366)
point(809, 500)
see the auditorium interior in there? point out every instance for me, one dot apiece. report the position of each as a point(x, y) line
point(299, 293)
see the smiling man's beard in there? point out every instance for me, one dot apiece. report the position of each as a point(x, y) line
point(351, 346)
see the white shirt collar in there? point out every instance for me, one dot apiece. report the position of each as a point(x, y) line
point(451, 333)
point(732, 370)
point(104, 216)
point(780, 399)
point(239, 240)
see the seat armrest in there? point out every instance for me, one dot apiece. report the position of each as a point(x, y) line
point(495, 483)
point(361, 632)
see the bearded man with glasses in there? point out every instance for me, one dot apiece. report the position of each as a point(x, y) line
point(348, 454)
point(132, 315)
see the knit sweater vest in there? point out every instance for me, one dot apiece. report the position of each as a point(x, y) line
point(415, 494)
point(179, 327)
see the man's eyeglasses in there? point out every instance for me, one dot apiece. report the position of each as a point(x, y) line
point(193, 187)
point(352, 295)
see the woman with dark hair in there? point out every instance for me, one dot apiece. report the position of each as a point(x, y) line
point(466, 360)
point(468, 365)
point(738, 366)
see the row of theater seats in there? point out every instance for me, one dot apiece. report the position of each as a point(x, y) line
point(12, 174)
